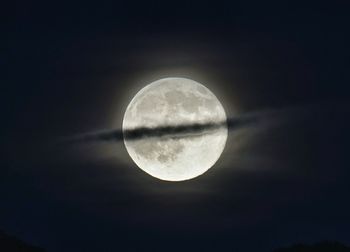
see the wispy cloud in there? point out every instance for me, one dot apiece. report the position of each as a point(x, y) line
point(259, 118)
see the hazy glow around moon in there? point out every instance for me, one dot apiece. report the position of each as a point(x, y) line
point(171, 102)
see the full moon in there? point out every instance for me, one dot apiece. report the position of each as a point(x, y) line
point(174, 102)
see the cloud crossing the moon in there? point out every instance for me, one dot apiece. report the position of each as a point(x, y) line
point(261, 118)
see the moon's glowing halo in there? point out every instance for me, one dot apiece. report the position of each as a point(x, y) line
point(174, 101)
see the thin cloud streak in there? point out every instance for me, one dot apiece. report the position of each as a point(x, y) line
point(253, 119)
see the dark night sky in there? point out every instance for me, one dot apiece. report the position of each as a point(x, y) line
point(72, 68)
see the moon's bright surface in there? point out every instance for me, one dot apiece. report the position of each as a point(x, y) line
point(172, 102)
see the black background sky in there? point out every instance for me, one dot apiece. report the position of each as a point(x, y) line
point(71, 68)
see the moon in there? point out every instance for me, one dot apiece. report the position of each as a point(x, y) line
point(172, 102)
